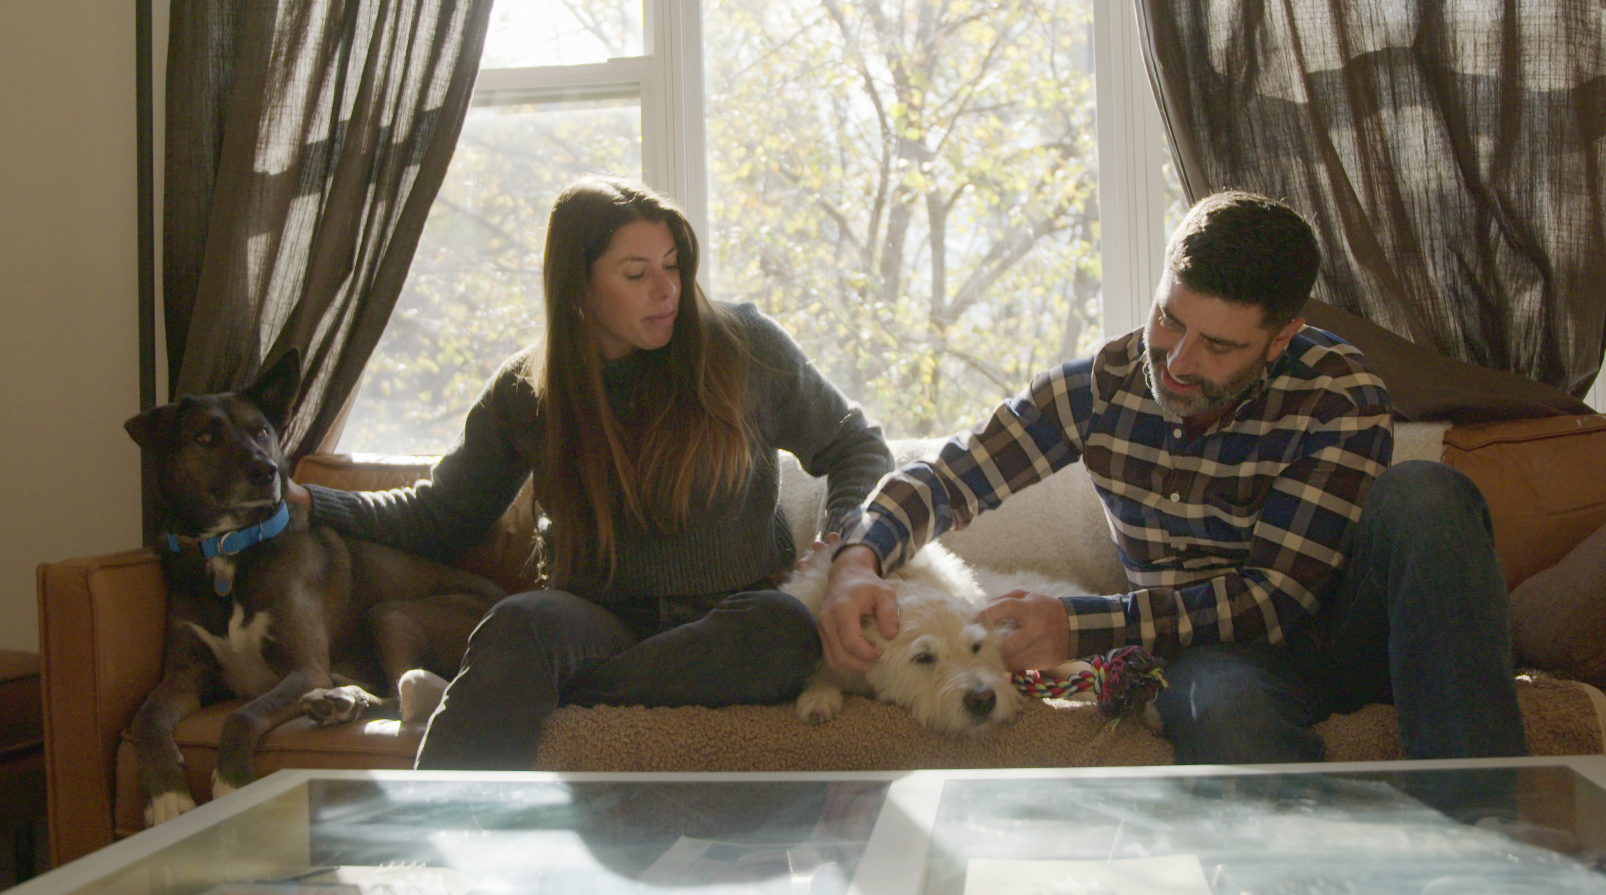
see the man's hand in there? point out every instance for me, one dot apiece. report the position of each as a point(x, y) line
point(854, 592)
point(297, 494)
point(1042, 635)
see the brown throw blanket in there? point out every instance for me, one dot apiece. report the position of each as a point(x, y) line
point(868, 735)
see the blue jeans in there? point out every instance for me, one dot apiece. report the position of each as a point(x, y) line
point(535, 651)
point(1418, 620)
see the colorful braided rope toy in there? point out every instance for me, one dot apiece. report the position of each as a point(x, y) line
point(1123, 681)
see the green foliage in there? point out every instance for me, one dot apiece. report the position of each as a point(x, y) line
point(910, 189)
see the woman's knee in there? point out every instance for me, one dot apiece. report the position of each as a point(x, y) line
point(780, 643)
point(525, 618)
point(781, 617)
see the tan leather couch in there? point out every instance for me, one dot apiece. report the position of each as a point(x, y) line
point(102, 621)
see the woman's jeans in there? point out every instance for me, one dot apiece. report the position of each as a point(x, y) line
point(535, 651)
point(1418, 620)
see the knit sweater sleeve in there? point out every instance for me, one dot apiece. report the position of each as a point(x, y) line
point(468, 490)
point(800, 411)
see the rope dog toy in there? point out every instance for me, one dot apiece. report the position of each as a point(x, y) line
point(1123, 681)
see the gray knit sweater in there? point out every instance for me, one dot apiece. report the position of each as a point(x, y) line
point(734, 543)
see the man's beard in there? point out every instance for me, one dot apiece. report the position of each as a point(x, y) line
point(1211, 397)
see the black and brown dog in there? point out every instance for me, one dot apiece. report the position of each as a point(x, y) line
point(296, 619)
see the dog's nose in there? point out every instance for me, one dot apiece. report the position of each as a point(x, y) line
point(261, 472)
point(979, 702)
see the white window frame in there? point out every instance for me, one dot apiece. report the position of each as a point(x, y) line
point(669, 80)
point(1131, 184)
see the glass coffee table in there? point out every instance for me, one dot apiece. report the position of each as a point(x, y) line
point(1515, 826)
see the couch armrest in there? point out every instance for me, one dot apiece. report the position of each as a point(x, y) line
point(102, 623)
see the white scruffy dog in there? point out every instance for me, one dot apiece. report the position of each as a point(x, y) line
point(945, 665)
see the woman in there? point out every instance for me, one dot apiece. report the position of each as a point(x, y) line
point(650, 424)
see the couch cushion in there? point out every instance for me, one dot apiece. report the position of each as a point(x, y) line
point(22, 751)
point(1056, 527)
point(1558, 615)
point(298, 743)
point(1544, 482)
point(21, 714)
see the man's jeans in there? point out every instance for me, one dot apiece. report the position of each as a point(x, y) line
point(537, 650)
point(1418, 620)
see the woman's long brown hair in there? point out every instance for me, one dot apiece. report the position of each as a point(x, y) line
point(687, 443)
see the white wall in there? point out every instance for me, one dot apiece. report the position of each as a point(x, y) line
point(69, 373)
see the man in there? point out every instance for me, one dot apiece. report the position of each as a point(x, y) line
point(1275, 559)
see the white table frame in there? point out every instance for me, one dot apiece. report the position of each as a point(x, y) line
point(899, 840)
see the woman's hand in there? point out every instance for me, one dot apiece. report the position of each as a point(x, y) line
point(830, 542)
point(818, 547)
point(856, 591)
point(297, 494)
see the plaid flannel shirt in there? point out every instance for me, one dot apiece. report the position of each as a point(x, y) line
point(1235, 535)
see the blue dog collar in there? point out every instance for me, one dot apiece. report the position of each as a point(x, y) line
point(230, 543)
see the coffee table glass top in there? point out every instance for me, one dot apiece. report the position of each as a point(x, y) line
point(602, 837)
point(1498, 830)
point(1448, 827)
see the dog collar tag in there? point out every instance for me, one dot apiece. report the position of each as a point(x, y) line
point(222, 586)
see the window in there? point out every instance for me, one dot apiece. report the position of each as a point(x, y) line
point(937, 199)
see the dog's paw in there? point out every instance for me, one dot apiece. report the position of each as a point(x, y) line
point(167, 806)
point(420, 692)
point(336, 705)
point(1151, 720)
point(819, 704)
point(221, 787)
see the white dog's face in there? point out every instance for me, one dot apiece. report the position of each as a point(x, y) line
point(945, 666)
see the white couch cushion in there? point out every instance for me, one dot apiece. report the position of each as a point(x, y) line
point(1056, 527)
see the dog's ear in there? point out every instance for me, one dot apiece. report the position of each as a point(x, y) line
point(274, 390)
point(152, 429)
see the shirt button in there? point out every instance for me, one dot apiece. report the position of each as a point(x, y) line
point(1176, 433)
point(1176, 497)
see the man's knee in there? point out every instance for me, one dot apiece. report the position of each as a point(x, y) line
point(1420, 518)
point(1223, 705)
point(1423, 497)
point(1207, 687)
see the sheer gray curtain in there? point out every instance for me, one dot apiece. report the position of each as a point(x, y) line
point(1453, 158)
point(305, 142)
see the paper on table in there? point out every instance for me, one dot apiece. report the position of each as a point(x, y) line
point(358, 880)
point(1168, 875)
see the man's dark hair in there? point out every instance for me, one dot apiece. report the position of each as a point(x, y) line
point(1247, 249)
